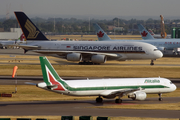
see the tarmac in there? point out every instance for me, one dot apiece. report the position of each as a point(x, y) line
point(85, 108)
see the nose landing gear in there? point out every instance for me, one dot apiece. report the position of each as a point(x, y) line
point(160, 98)
point(152, 62)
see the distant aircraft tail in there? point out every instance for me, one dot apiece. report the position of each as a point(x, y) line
point(50, 76)
point(100, 33)
point(21, 39)
point(30, 31)
point(151, 32)
point(144, 33)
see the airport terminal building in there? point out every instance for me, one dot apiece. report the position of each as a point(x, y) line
point(12, 35)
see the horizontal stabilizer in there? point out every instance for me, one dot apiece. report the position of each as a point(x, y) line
point(52, 86)
point(29, 83)
point(27, 47)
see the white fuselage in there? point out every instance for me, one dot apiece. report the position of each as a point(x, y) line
point(103, 87)
point(6, 43)
point(123, 49)
point(161, 44)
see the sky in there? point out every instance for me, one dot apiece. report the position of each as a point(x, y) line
point(92, 8)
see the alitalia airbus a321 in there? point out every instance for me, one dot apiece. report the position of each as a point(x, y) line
point(135, 88)
point(84, 52)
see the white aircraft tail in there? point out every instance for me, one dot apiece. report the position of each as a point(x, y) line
point(100, 33)
point(144, 33)
point(50, 76)
point(151, 32)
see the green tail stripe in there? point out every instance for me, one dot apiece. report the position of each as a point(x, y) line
point(44, 62)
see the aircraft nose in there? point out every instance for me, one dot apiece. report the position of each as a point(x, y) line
point(158, 54)
point(174, 87)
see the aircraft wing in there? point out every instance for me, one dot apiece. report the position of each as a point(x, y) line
point(6, 43)
point(27, 47)
point(119, 92)
point(85, 53)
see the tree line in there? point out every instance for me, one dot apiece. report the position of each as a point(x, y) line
point(80, 26)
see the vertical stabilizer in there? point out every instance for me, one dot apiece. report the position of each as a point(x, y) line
point(144, 33)
point(50, 76)
point(100, 33)
point(29, 29)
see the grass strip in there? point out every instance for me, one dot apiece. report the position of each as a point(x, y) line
point(106, 71)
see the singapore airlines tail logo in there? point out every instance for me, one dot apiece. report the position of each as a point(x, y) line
point(32, 30)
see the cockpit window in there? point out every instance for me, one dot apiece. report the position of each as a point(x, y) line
point(171, 83)
point(155, 49)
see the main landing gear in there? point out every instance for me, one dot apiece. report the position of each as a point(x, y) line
point(88, 63)
point(118, 101)
point(152, 62)
point(160, 98)
point(100, 100)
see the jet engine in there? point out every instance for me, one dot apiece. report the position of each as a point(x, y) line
point(161, 48)
point(139, 95)
point(74, 57)
point(98, 58)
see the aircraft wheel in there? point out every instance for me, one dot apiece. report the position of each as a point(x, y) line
point(118, 101)
point(152, 64)
point(99, 100)
point(160, 99)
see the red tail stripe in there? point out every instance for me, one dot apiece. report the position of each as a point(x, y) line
point(51, 79)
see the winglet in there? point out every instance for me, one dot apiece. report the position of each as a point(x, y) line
point(29, 29)
point(144, 33)
point(100, 33)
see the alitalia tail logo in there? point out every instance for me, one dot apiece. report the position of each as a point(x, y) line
point(52, 80)
point(32, 30)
